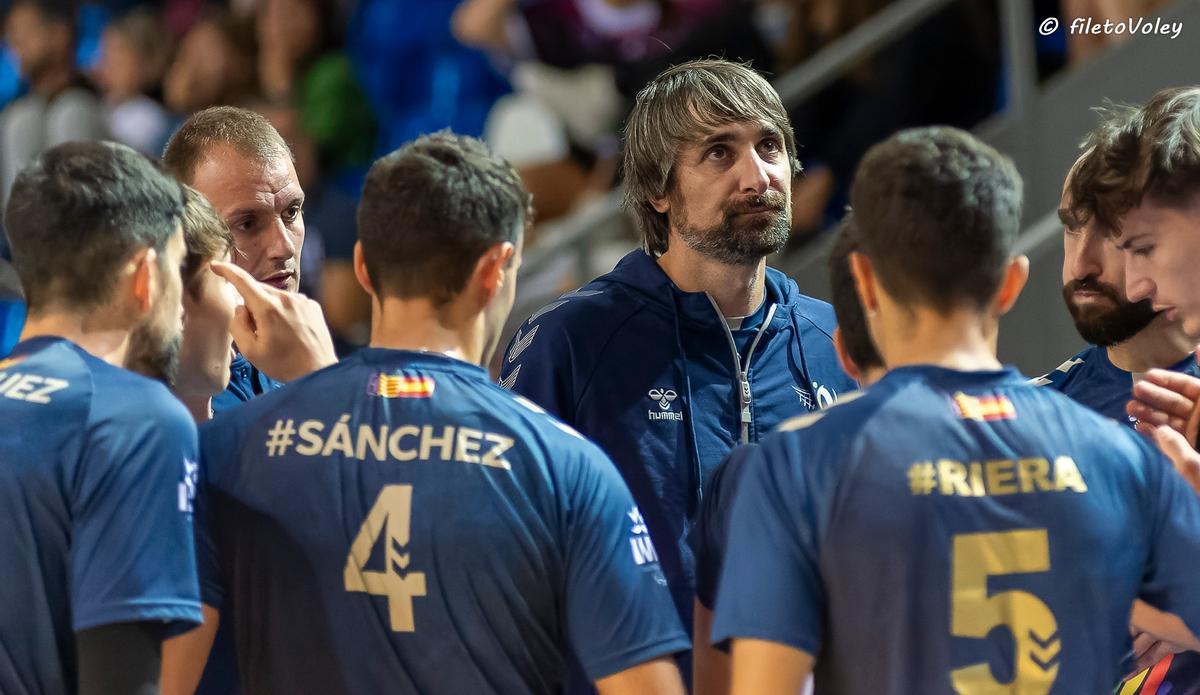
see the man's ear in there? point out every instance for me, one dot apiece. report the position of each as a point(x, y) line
point(140, 271)
point(865, 282)
point(360, 271)
point(1015, 277)
point(492, 269)
point(843, 356)
point(661, 205)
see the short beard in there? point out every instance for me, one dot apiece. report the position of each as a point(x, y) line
point(154, 356)
point(742, 241)
point(1112, 327)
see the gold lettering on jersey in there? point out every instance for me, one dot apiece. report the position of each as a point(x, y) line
point(399, 442)
point(389, 520)
point(31, 388)
point(995, 478)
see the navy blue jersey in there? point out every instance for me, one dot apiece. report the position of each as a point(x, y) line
point(97, 473)
point(397, 519)
point(953, 531)
point(245, 382)
point(710, 531)
point(1093, 380)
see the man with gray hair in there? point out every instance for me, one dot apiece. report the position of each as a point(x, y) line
point(237, 160)
point(690, 346)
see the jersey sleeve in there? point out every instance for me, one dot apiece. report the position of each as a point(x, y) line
point(1170, 582)
point(132, 556)
point(709, 533)
point(217, 444)
point(618, 609)
point(771, 585)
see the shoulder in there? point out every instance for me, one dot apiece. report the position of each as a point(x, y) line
point(120, 396)
point(595, 305)
point(808, 311)
point(1058, 376)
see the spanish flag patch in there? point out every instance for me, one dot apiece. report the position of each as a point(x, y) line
point(984, 408)
point(397, 386)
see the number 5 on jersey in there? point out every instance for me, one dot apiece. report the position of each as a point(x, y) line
point(973, 613)
point(393, 510)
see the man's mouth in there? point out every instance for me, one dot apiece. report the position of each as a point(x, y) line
point(278, 280)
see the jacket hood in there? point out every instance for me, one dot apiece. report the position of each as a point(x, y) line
point(640, 273)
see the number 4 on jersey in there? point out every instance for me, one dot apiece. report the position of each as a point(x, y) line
point(393, 510)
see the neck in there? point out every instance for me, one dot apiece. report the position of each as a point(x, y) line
point(962, 339)
point(89, 331)
point(737, 289)
point(200, 406)
point(415, 324)
point(1161, 344)
point(52, 80)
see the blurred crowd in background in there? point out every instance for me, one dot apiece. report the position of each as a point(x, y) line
point(546, 82)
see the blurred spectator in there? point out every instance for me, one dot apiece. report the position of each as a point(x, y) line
point(417, 77)
point(215, 64)
point(1081, 46)
point(575, 64)
point(299, 61)
point(945, 71)
point(134, 53)
point(60, 105)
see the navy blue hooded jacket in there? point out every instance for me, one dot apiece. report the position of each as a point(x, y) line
point(648, 372)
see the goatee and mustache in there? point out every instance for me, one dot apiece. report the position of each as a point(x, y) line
point(1105, 326)
point(154, 355)
point(739, 238)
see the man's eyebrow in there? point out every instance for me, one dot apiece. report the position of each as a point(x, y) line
point(725, 135)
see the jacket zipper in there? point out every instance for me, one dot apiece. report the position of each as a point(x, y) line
point(743, 375)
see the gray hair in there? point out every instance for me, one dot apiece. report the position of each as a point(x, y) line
point(682, 105)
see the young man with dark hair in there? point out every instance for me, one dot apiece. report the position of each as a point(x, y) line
point(692, 345)
point(97, 464)
point(60, 105)
point(1126, 338)
point(454, 538)
point(237, 160)
point(858, 357)
point(991, 534)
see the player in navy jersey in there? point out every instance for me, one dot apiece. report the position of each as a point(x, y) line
point(1126, 338)
point(859, 358)
point(953, 529)
point(97, 464)
point(396, 521)
point(237, 160)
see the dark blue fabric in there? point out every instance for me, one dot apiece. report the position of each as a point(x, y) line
point(926, 513)
point(645, 370)
point(709, 534)
point(527, 546)
point(1093, 380)
point(97, 472)
point(12, 319)
point(245, 382)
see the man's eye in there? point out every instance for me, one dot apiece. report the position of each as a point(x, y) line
point(718, 152)
point(1142, 251)
point(771, 145)
point(292, 213)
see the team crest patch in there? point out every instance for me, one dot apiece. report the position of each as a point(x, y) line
point(984, 409)
point(397, 386)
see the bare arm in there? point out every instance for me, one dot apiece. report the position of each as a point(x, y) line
point(710, 666)
point(656, 677)
point(768, 668)
point(1165, 626)
point(184, 656)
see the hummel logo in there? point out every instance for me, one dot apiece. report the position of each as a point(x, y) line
point(520, 343)
point(664, 398)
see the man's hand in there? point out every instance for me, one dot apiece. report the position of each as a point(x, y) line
point(1167, 398)
point(281, 333)
point(1185, 459)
